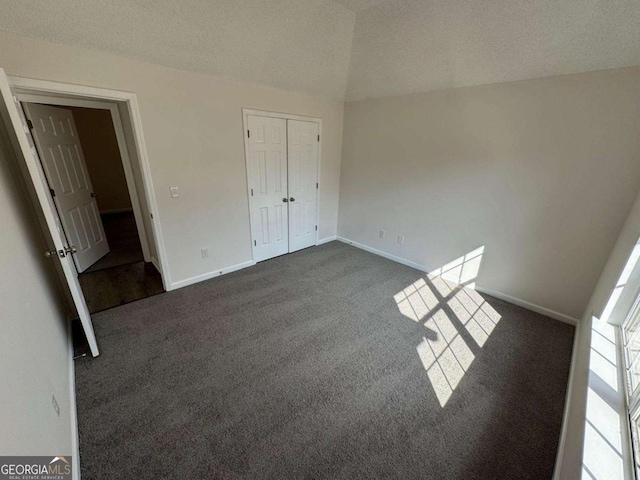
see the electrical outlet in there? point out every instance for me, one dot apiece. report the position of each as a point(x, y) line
point(204, 252)
point(56, 407)
point(175, 193)
point(382, 234)
point(401, 239)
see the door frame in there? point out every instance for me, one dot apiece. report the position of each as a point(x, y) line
point(286, 116)
point(122, 148)
point(80, 95)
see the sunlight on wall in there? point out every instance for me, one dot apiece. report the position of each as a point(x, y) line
point(622, 281)
point(449, 311)
point(603, 454)
point(461, 270)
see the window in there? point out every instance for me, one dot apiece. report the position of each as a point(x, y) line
point(631, 341)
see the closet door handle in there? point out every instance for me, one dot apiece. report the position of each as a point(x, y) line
point(285, 199)
point(292, 199)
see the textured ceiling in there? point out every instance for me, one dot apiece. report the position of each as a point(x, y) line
point(358, 5)
point(390, 47)
point(297, 45)
point(408, 46)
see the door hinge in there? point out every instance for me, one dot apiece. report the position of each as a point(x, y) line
point(30, 124)
point(316, 186)
point(52, 192)
point(248, 134)
point(252, 192)
point(316, 228)
point(255, 244)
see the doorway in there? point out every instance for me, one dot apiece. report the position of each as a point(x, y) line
point(283, 162)
point(128, 126)
point(89, 175)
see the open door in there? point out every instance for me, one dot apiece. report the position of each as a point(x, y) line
point(25, 149)
point(60, 151)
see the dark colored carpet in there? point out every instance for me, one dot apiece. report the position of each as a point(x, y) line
point(304, 367)
point(124, 242)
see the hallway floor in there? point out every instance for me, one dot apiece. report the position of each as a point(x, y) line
point(121, 276)
point(124, 242)
point(116, 286)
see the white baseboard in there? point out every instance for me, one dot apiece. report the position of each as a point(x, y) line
point(502, 296)
point(401, 260)
point(116, 210)
point(326, 240)
point(73, 411)
point(222, 271)
point(529, 306)
point(207, 276)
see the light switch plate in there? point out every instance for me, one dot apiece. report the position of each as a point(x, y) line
point(174, 192)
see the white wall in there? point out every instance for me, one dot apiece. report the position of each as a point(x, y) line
point(34, 348)
point(541, 172)
point(194, 135)
point(570, 458)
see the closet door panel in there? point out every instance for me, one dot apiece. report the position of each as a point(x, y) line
point(268, 186)
point(302, 140)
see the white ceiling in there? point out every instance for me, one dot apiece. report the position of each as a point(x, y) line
point(408, 46)
point(296, 45)
point(358, 5)
point(390, 47)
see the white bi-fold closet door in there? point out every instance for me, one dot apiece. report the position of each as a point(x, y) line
point(283, 183)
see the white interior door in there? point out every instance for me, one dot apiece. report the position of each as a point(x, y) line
point(58, 145)
point(268, 186)
point(303, 183)
point(17, 129)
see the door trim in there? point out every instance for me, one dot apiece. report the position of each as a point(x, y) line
point(122, 148)
point(128, 100)
point(286, 116)
point(33, 173)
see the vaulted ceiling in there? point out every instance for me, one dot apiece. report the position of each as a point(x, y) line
point(298, 45)
point(351, 49)
point(407, 46)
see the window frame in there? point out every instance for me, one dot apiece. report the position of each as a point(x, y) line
point(631, 395)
